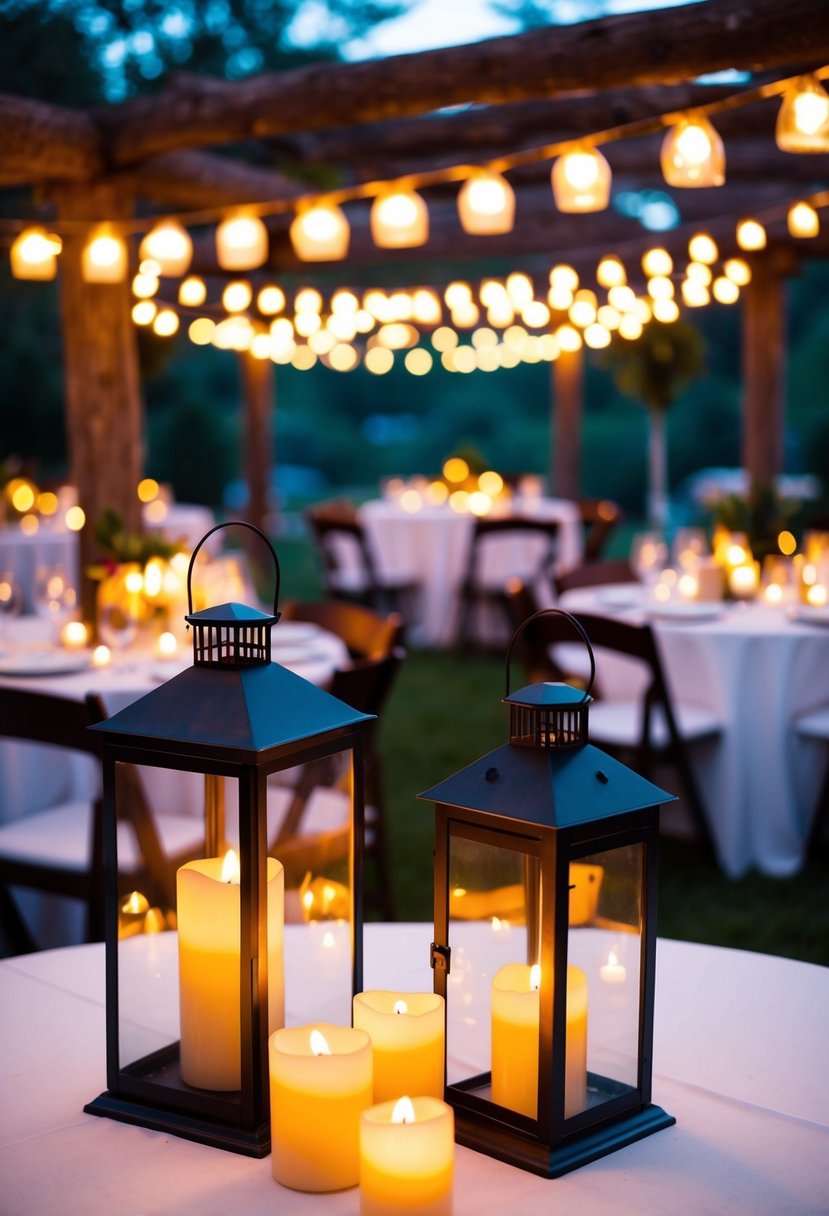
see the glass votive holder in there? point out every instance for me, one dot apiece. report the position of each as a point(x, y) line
point(744, 580)
point(777, 579)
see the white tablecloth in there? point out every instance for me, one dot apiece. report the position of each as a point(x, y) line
point(739, 1059)
point(432, 546)
point(756, 670)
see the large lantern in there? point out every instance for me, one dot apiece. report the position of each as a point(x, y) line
point(545, 938)
point(189, 1013)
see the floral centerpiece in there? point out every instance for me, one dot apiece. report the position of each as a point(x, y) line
point(761, 516)
point(136, 577)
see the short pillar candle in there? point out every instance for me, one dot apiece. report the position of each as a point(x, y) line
point(320, 1085)
point(407, 1032)
point(407, 1153)
point(515, 1035)
point(209, 943)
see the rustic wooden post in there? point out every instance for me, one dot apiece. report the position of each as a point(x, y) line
point(568, 396)
point(104, 414)
point(258, 386)
point(764, 370)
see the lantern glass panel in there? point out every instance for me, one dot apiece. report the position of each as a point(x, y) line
point(604, 943)
point(493, 919)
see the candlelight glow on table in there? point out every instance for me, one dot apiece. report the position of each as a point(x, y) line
point(209, 968)
point(407, 1038)
point(407, 1158)
point(320, 1084)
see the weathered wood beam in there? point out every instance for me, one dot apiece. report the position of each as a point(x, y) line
point(41, 142)
point(567, 381)
point(258, 390)
point(764, 371)
point(198, 179)
point(654, 47)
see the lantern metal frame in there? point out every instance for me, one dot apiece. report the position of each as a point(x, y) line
point(554, 799)
point(189, 725)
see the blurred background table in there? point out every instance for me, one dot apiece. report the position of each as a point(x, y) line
point(739, 1060)
point(431, 546)
point(757, 670)
point(21, 554)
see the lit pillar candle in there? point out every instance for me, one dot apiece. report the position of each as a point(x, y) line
point(407, 1039)
point(407, 1153)
point(515, 1034)
point(744, 580)
point(209, 940)
point(320, 1086)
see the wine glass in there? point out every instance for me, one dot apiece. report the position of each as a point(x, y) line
point(117, 626)
point(648, 556)
point(55, 597)
point(9, 602)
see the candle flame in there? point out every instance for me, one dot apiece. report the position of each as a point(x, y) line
point(535, 977)
point(328, 940)
point(401, 1007)
point(612, 960)
point(319, 1044)
point(135, 903)
point(230, 867)
point(404, 1111)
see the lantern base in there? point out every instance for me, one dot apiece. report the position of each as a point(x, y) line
point(510, 1146)
point(251, 1143)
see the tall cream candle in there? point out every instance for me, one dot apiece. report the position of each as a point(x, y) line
point(515, 1034)
point(320, 1085)
point(407, 1153)
point(407, 1041)
point(209, 939)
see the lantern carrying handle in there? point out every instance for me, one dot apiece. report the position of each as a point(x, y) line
point(234, 523)
point(577, 625)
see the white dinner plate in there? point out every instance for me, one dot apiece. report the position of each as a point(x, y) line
point(621, 596)
point(810, 614)
point(685, 610)
point(289, 633)
point(287, 656)
point(41, 663)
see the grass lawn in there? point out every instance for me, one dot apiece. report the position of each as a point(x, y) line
point(445, 712)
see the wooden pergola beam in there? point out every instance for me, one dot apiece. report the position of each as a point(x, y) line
point(651, 48)
point(41, 142)
point(196, 179)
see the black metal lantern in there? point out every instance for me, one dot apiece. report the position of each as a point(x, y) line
point(545, 938)
point(189, 1014)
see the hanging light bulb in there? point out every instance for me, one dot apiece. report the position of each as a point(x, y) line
point(802, 220)
point(486, 204)
point(657, 262)
point(610, 272)
point(237, 296)
point(738, 271)
point(703, 248)
point(751, 235)
point(192, 292)
point(170, 246)
point(692, 154)
point(399, 220)
point(581, 180)
point(104, 257)
point(320, 233)
point(803, 117)
point(34, 254)
point(241, 242)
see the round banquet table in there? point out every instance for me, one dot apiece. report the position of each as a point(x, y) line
point(757, 668)
point(431, 546)
point(739, 1060)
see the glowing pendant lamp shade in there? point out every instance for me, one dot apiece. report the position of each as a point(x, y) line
point(803, 118)
point(241, 243)
point(399, 220)
point(486, 204)
point(170, 246)
point(320, 233)
point(104, 257)
point(34, 254)
point(581, 180)
point(693, 154)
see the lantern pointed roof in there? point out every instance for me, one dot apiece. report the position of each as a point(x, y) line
point(557, 788)
point(238, 713)
point(230, 612)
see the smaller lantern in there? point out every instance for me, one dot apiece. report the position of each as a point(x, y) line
point(189, 1013)
point(545, 938)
